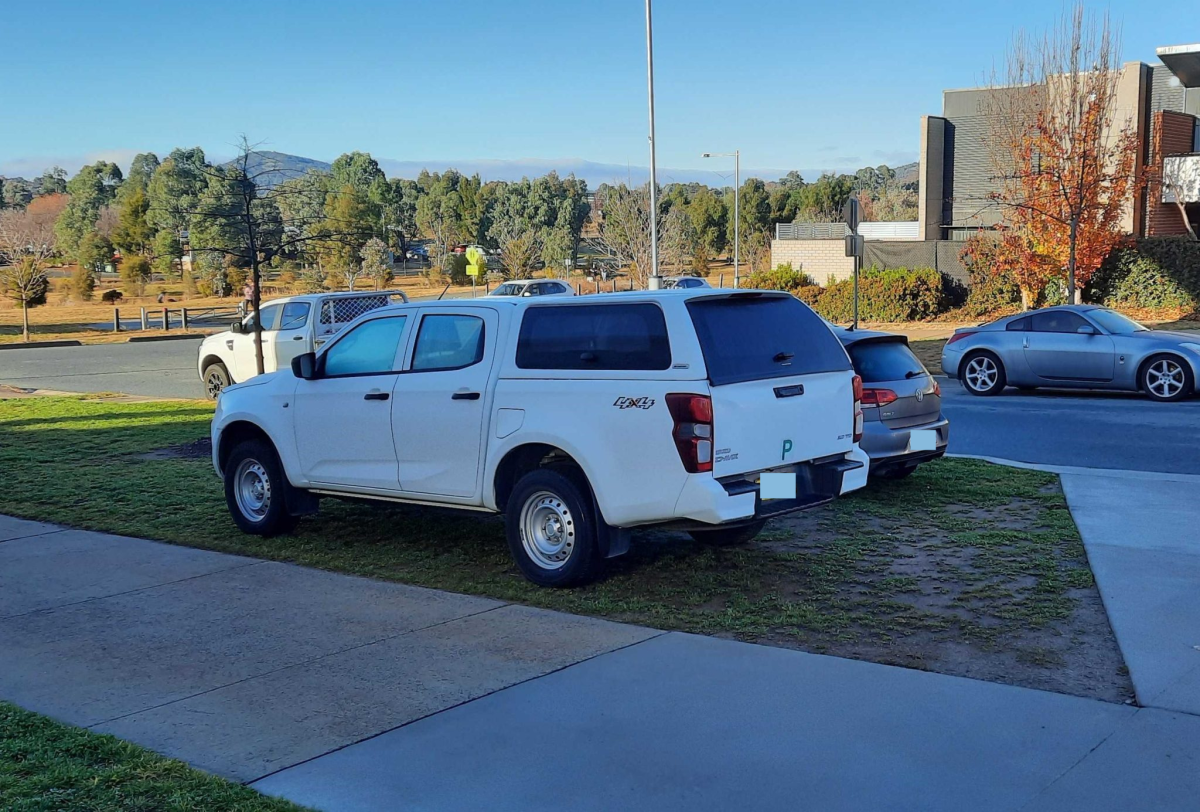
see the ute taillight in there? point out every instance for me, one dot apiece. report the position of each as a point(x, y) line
point(878, 397)
point(959, 335)
point(858, 408)
point(693, 431)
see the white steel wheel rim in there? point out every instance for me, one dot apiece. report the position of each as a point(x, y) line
point(252, 489)
point(1165, 378)
point(547, 530)
point(981, 373)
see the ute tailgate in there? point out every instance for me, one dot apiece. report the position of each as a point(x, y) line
point(781, 384)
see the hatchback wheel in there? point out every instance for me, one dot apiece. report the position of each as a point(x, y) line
point(1166, 378)
point(983, 374)
point(551, 530)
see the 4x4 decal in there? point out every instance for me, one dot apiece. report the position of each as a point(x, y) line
point(633, 403)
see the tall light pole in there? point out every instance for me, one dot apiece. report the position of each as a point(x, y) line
point(737, 220)
point(655, 281)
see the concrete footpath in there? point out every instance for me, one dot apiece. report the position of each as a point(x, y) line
point(351, 694)
point(1143, 543)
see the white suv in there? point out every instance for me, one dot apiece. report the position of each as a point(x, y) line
point(577, 418)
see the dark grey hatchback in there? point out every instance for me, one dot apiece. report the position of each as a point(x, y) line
point(903, 424)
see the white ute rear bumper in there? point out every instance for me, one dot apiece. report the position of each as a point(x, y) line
point(709, 501)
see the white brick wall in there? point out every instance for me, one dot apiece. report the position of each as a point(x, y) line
point(820, 259)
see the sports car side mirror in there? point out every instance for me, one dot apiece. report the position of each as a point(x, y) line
point(304, 366)
point(1086, 329)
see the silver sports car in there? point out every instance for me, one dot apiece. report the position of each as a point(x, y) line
point(1073, 346)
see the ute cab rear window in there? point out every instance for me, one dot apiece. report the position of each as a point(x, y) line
point(752, 337)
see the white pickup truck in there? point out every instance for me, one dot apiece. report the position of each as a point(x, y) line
point(579, 418)
point(291, 326)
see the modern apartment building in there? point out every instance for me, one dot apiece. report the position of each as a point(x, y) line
point(1161, 102)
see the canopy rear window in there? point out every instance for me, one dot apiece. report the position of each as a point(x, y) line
point(755, 337)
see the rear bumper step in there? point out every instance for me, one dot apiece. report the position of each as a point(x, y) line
point(817, 483)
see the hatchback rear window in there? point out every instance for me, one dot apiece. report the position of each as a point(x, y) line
point(755, 337)
point(883, 361)
point(632, 336)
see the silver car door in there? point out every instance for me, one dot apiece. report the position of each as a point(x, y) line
point(1056, 349)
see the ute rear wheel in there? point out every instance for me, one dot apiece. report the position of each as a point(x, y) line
point(551, 528)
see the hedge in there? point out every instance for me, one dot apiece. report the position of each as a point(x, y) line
point(1155, 273)
point(895, 294)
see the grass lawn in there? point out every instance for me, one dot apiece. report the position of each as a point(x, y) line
point(45, 765)
point(966, 568)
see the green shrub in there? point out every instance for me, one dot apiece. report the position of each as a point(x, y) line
point(1156, 273)
point(135, 273)
point(784, 277)
point(896, 294)
point(83, 283)
point(456, 267)
point(111, 296)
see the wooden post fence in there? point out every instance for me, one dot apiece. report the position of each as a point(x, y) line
point(116, 319)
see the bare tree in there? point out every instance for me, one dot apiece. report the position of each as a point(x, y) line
point(676, 238)
point(625, 229)
point(1063, 159)
point(26, 245)
point(519, 244)
point(238, 217)
point(1175, 183)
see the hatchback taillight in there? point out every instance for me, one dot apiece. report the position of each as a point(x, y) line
point(878, 397)
point(858, 408)
point(693, 430)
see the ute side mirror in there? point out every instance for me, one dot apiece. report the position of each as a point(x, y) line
point(1086, 330)
point(304, 366)
point(237, 327)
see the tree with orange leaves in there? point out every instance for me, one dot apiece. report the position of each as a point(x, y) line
point(1065, 163)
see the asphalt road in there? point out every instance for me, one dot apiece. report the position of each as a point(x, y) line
point(165, 369)
point(1090, 430)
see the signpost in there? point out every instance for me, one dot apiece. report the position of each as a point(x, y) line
point(476, 265)
point(854, 246)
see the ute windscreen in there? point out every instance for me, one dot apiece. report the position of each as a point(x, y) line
point(754, 337)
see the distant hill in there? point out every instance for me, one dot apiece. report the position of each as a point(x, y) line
point(907, 173)
point(272, 168)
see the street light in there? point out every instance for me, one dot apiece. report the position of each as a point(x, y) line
point(737, 168)
point(655, 281)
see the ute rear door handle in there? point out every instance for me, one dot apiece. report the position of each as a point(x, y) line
point(376, 395)
point(464, 395)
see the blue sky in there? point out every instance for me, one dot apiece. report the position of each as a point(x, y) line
point(806, 85)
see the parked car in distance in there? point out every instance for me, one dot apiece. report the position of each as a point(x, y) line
point(291, 326)
point(579, 420)
point(672, 282)
point(1074, 347)
point(903, 424)
point(533, 287)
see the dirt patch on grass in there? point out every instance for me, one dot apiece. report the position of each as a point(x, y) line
point(993, 587)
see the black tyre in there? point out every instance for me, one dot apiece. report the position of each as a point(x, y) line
point(216, 377)
point(256, 489)
point(902, 472)
point(729, 536)
point(1166, 378)
point(982, 374)
point(551, 529)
